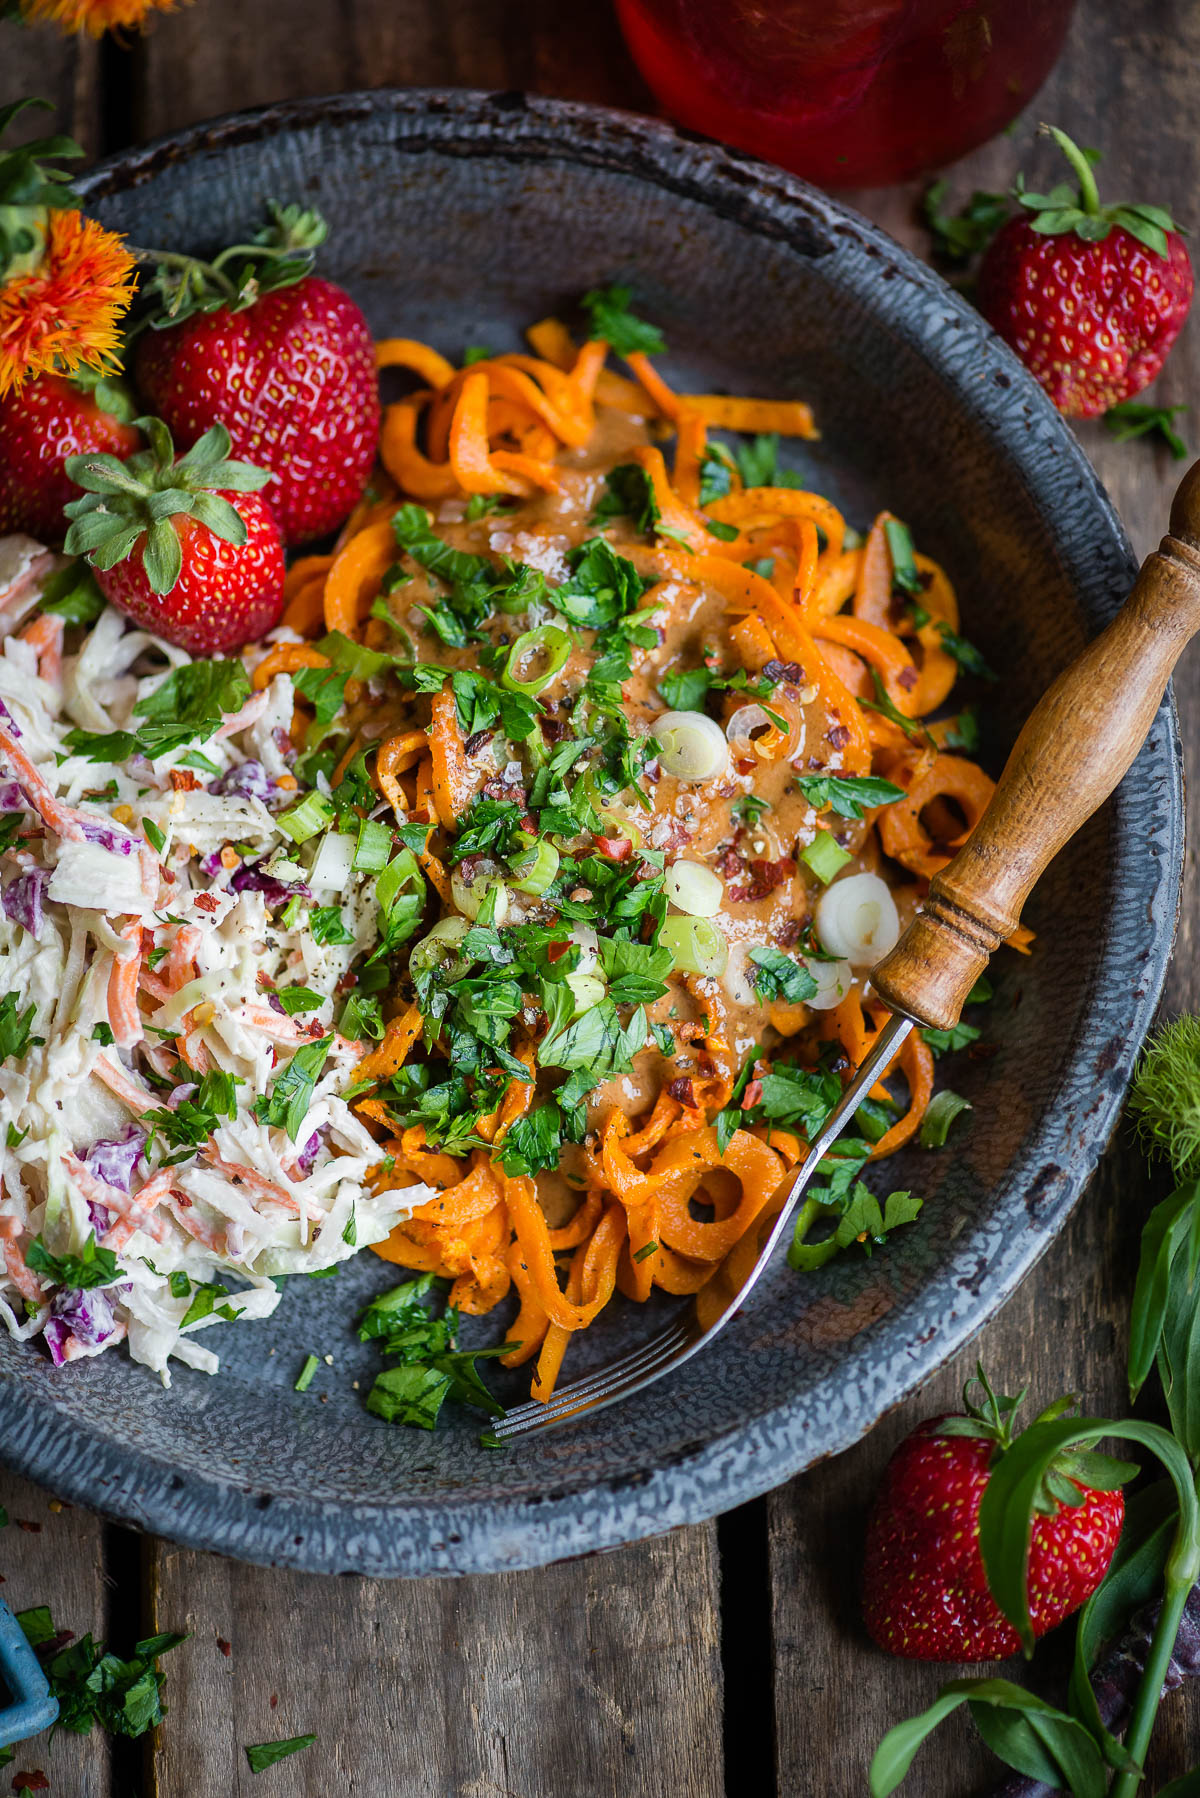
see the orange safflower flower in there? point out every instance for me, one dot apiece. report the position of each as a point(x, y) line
point(64, 312)
point(93, 16)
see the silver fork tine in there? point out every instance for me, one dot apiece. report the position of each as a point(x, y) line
point(595, 1384)
point(679, 1342)
point(621, 1378)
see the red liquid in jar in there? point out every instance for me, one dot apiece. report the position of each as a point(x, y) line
point(846, 92)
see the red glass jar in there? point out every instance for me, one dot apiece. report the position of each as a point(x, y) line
point(846, 92)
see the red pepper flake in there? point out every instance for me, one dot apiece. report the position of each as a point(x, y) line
point(683, 1090)
point(556, 951)
point(777, 671)
point(746, 764)
point(31, 1529)
point(207, 902)
point(614, 849)
point(147, 943)
point(752, 1095)
point(476, 741)
point(764, 878)
point(789, 933)
point(907, 678)
point(32, 1781)
point(183, 780)
point(730, 863)
point(225, 1647)
point(839, 736)
point(274, 1699)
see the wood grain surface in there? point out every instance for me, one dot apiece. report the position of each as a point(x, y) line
point(726, 1661)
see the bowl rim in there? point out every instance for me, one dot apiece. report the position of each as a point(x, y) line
point(444, 1534)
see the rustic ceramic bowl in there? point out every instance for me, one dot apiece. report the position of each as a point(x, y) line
point(461, 218)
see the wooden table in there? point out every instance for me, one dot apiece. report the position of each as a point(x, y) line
point(725, 1657)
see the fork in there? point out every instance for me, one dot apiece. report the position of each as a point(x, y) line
point(1076, 746)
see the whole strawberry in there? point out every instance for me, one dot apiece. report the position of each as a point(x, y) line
point(925, 1593)
point(186, 548)
point(1090, 297)
point(282, 358)
point(52, 419)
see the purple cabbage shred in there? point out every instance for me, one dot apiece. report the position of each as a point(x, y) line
point(22, 899)
point(249, 780)
point(251, 878)
point(87, 1316)
point(113, 1159)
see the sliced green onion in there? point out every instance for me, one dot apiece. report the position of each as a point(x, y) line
point(469, 895)
point(311, 815)
point(440, 945)
point(586, 990)
point(404, 870)
point(696, 944)
point(306, 1374)
point(695, 889)
point(535, 871)
point(944, 1107)
point(373, 848)
point(545, 649)
point(824, 856)
point(693, 745)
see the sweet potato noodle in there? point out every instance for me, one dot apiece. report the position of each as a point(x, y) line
point(715, 697)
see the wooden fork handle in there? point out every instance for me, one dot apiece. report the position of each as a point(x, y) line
point(1074, 749)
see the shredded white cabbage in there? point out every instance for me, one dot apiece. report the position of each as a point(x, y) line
point(200, 1229)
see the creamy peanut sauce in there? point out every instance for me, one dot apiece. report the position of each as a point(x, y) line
point(769, 893)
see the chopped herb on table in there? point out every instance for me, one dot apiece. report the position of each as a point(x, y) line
point(268, 1754)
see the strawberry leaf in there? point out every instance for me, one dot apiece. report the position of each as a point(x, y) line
point(162, 557)
point(221, 518)
point(1050, 1738)
point(1009, 1500)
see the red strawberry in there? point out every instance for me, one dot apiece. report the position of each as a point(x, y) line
point(185, 548)
point(1091, 298)
point(286, 363)
point(51, 419)
point(925, 1591)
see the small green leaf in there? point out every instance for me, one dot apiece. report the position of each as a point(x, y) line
point(266, 1754)
point(1075, 1756)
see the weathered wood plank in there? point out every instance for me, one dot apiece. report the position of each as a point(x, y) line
point(53, 1554)
point(1120, 85)
point(601, 1676)
point(207, 60)
point(38, 60)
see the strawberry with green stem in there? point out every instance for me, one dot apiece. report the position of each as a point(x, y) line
point(925, 1591)
point(1090, 297)
point(284, 359)
point(185, 546)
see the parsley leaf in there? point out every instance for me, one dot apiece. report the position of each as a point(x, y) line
point(608, 311)
point(533, 1142)
point(963, 731)
point(262, 1755)
point(92, 1685)
point(73, 595)
point(326, 925)
point(431, 1369)
point(1130, 420)
point(716, 473)
point(957, 236)
point(192, 702)
point(777, 976)
point(945, 1042)
point(845, 794)
point(601, 587)
point(325, 688)
point(93, 1266)
point(630, 494)
point(290, 1096)
point(758, 463)
point(15, 1027)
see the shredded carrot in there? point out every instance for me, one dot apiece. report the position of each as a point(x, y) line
point(354, 578)
point(406, 352)
point(791, 418)
point(285, 658)
point(390, 1055)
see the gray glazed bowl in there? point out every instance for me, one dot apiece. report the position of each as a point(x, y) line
point(461, 218)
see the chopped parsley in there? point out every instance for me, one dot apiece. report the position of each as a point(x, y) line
point(92, 1266)
point(191, 703)
point(326, 925)
point(610, 318)
point(758, 463)
point(93, 1685)
point(261, 1755)
point(286, 1106)
point(900, 549)
point(945, 1042)
point(846, 795)
point(15, 1027)
point(777, 976)
point(430, 1368)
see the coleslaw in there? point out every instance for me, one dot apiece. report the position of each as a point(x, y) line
point(176, 1126)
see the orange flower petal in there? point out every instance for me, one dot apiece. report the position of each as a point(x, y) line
point(65, 313)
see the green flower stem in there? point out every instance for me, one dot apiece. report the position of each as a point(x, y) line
point(1145, 1706)
point(1089, 193)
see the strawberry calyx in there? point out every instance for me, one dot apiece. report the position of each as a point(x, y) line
point(1078, 210)
point(991, 1420)
point(279, 255)
point(144, 494)
point(29, 191)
